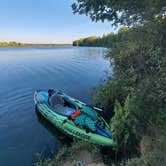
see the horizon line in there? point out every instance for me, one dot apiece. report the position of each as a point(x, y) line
point(18, 42)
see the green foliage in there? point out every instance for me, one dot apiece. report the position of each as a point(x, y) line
point(140, 60)
point(77, 42)
point(137, 90)
point(106, 95)
point(89, 41)
point(120, 12)
point(124, 126)
point(104, 41)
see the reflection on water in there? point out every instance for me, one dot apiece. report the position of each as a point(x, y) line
point(23, 70)
point(52, 129)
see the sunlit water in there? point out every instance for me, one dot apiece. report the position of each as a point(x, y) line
point(76, 71)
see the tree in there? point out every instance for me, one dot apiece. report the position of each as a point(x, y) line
point(125, 12)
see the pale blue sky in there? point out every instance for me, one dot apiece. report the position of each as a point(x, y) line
point(45, 21)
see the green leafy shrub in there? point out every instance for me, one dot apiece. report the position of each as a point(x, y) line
point(124, 128)
point(137, 90)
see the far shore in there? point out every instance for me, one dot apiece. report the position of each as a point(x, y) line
point(18, 44)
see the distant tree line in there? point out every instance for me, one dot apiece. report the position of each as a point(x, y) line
point(104, 41)
point(18, 44)
point(5, 44)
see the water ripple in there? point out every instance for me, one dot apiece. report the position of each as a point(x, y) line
point(23, 70)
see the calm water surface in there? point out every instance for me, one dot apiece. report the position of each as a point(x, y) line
point(74, 70)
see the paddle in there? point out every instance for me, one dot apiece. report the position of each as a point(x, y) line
point(95, 108)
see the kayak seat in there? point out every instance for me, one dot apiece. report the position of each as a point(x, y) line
point(65, 111)
point(56, 100)
point(68, 103)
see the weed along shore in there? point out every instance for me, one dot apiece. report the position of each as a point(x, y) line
point(78, 153)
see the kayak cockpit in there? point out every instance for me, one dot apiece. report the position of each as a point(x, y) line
point(63, 110)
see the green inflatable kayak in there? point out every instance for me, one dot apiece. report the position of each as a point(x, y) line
point(73, 117)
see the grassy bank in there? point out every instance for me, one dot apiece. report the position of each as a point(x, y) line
point(78, 153)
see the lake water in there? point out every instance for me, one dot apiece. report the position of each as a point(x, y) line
point(75, 70)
